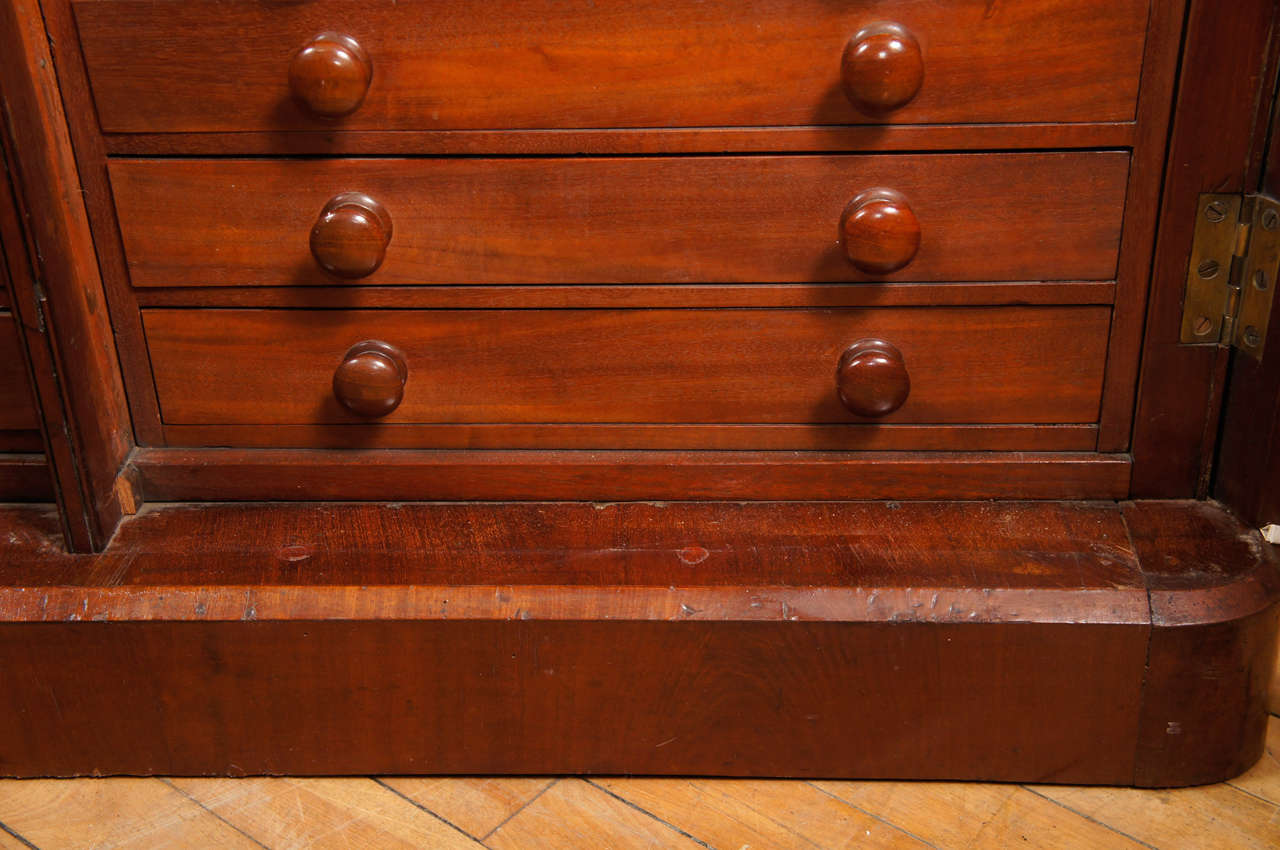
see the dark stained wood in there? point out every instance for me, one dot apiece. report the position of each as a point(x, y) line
point(710, 614)
point(626, 220)
point(322, 639)
point(55, 476)
point(618, 63)
point(871, 378)
point(913, 137)
point(176, 475)
point(968, 365)
point(95, 188)
point(81, 347)
point(882, 68)
point(1247, 476)
point(24, 478)
point(17, 409)
point(1160, 67)
point(635, 295)
point(1214, 586)
point(1229, 49)
point(329, 75)
point(369, 382)
point(862, 437)
point(1018, 550)
point(879, 232)
point(22, 442)
point(350, 238)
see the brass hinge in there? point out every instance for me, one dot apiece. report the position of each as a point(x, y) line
point(1235, 259)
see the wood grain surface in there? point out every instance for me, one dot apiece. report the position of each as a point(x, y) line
point(17, 408)
point(81, 390)
point(973, 628)
point(272, 367)
point(202, 475)
point(656, 63)
point(1053, 216)
point(1176, 424)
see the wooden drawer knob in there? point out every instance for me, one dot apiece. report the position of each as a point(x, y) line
point(872, 378)
point(879, 232)
point(330, 75)
point(351, 236)
point(370, 381)
point(882, 68)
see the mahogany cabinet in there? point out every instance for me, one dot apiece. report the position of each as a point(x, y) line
point(444, 386)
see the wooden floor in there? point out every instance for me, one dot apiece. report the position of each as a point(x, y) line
point(616, 813)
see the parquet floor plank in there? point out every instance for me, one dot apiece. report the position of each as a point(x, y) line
point(111, 813)
point(283, 813)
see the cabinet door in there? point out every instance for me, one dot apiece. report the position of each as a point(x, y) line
point(1247, 473)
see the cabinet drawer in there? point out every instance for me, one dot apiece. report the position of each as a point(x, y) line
point(962, 365)
point(975, 217)
point(212, 65)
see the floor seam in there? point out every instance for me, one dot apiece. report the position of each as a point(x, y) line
point(1090, 818)
point(871, 814)
point(17, 835)
point(526, 805)
point(645, 811)
point(378, 781)
point(165, 780)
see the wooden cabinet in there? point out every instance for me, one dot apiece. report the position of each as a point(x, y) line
point(161, 67)
point(777, 252)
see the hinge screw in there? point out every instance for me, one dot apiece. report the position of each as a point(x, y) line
point(1270, 219)
point(1251, 337)
point(1215, 211)
point(1208, 269)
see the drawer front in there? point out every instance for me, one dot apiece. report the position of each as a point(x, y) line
point(963, 365)
point(975, 217)
point(213, 65)
point(17, 410)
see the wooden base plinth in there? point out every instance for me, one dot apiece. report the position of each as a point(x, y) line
point(1048, 642)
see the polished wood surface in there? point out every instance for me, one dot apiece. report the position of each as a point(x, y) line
point(871, 379)
point(1177, 418)
point(203, 475)
point(882, 68)
point(330, 74)
point(993, 365)
point(1032, 615)
point(350, 238)
point(369, 382)
point(619, 63)
point(633, 295)
point(1214, 622)
point(81, 392)
point(670, 437)
point(652, 140)
point(1046, 216)
point(879, 232)
point(1249, 451)
point(1146, 179)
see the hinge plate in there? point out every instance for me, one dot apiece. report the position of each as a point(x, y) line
point(1258, 278)
point(1231, 276)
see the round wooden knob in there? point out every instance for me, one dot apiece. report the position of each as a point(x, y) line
point(351, 236)
point(370, 381)
point(872, 379)
point(879, 232)
point(882, 68)
point(330, 75)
